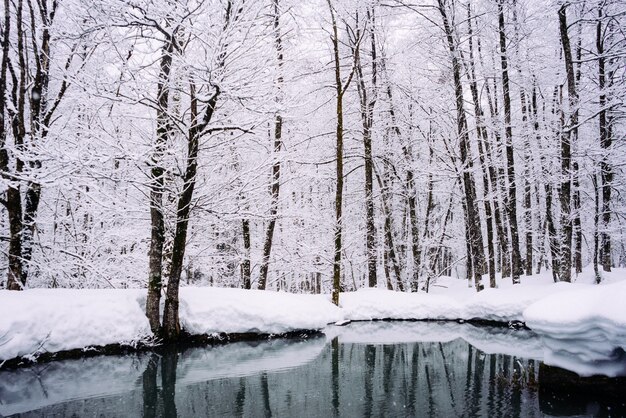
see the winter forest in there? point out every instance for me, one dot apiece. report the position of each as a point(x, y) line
point(241, 197)
point(309, 147)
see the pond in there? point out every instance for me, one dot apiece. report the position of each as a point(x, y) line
point(362, 369)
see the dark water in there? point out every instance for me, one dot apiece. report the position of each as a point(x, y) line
point(362, 370)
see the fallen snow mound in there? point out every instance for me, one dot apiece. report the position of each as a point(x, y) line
point(40, 321)
point(583, 329)
point(209, 310)
point(37, 321)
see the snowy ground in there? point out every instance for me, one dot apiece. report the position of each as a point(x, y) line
point(583, 325)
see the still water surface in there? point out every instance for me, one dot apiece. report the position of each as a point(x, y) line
point(361, 370)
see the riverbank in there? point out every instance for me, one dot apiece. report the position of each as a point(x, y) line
point(37, 323)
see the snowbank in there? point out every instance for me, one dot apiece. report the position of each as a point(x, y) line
point(49, 320)
point(38, 321)
point(582, 323)
point(502, 305)
point(368, 304)
point(491, 340)
point(583, 329)
point(209, 310)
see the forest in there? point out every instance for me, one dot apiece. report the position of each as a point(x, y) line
point(309, 147)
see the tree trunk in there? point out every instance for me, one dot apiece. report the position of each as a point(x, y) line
point(568, 137)
point(411, 200)
point(516, 261)
point(278, 142)
point(171, 324)
point(340, 88)
point(483, 144)
point(13, 201)
point(497, 182)
point(606, 172)
point(245, 262)
point(578, 231)
point(596, 222)
point(388, 229)
point(472, 216)
point(157, 223)
point(367, 116)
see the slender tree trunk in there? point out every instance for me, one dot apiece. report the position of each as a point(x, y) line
point(483, 139)
point(596, 222)
point(568, 137)
point(528, 209)
point(578, 248)
point(471, 213)
point(15, 279)
point(606, 173)
point(367, 116)
point(278, 143)
point(410, 191)
point(39, 129)
point(339, 166)
point(157, 173)
point(171, 324)
point(340, 88)
point(576, 222)
point(547, 231)
point(516, 262)
point(245, 262)
point(495, 177)
point(391, 248)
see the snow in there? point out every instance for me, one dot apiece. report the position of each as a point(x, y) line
point(50, 320)
point(491, 340)
point(368, 304)
point(583, 328)
point(209, 310)
point(582, 325)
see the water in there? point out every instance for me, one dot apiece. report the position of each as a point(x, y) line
point(363, 369)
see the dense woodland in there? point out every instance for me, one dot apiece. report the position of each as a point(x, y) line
point(309, 146)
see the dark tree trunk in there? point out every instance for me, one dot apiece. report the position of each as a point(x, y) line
point(367, 116)
point(578, 231)
point(483, 139)
point(516, 261)
point(391, 248)
point(13, 202)
point(16, 276)
point(596, 222)
point(39, 122)
point(157, 224)
point(171, 324)
point(528, 209)
point(245, 262)
point(568, 137)
point(472, 220)
point(278, 142)
point(340, 88)
point(552, 235)
point(606, 172)
point(415, 245)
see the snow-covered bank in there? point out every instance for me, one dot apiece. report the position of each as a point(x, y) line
point(583, 329)
point(587, 318)
point(50, 320)
point(491, 340)
point(210, 310)
point(39, 321)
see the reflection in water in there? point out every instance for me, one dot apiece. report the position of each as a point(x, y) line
point(340, 377)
